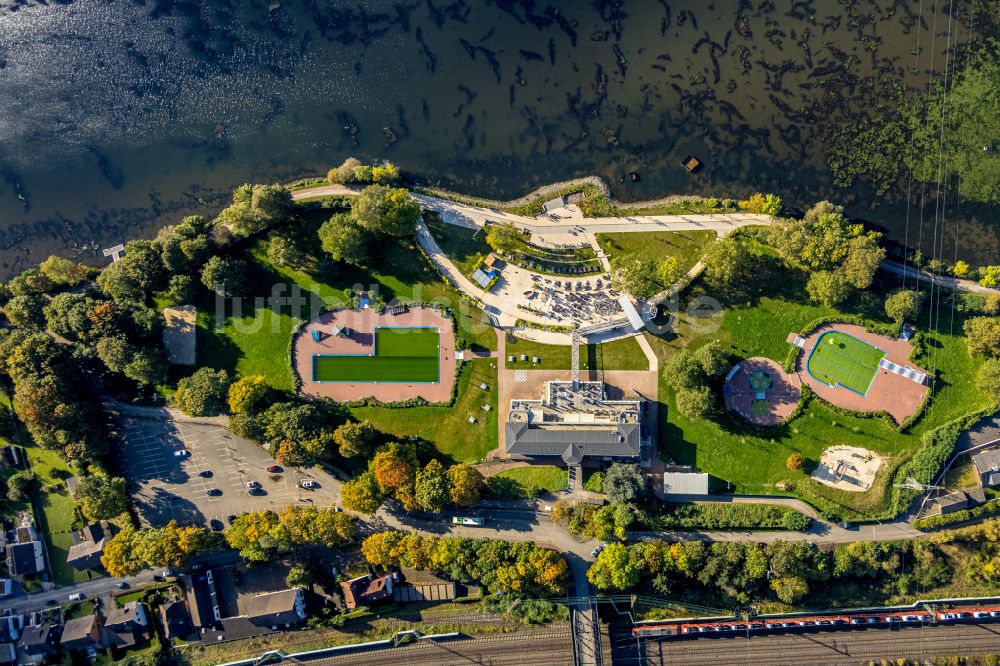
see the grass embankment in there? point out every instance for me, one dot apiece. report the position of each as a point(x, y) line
point(527, 482)
point(449, 427)
point(465, 247)
point(624, 354)
point(686, 246)
point(755, 321)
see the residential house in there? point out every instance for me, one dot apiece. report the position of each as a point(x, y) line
point(127, 625)
point(282, 609)
point(958, 501)
point(41, 639)
point(175, 619)
point(366, 590)
point(202, 598)
point(25, 551)
point(987, 466)
point(88, 545)
point(82, 632)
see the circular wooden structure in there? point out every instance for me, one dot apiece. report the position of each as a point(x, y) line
point(761, 392)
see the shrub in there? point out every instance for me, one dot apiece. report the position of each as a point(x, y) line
point(767, 204)
point(795, 462)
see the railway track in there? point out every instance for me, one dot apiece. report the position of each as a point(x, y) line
point(848, 646)
point(522, 648)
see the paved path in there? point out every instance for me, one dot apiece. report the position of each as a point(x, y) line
point(957, 284)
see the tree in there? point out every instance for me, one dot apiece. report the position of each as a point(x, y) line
point(30, 281)
point(668, 271)
point(116, 281)
point(503, 236)
point(433, 488)
point(828, 288)
point(226, 277)
point(614, 569)
point(19, 485)
point(344, 174)
point(63, 271)
point(989, 276)
point(355, 438)
point(766, 204)
point(712, 358)
point(181, 289)
point(960, 269)
point(863, 258)
point(903, 304)
point(101, 496)
point(26, 311)
point(790, 589)
point(795, 462)
point(682, 370)
point(148, 365)
point(204, 393)
point(68, 315)
point(247, 392)
point(300, 575)
point(343, 239)
point(384, 210)
point(287, 247)
point(695, 403)
point(634, 275)
point(253, 534)
point(982, 335)
point(256, 207)
point(988, 378)
point(467, 485)
point(726, 261)
point(391, 469)
point(362, 494)
point(385, 174)
point(624, 482)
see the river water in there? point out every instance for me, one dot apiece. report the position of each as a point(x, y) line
point(117, 117)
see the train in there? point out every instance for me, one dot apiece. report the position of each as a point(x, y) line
point(721, 626)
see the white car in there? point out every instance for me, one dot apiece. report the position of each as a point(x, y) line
point(252, 485)
point(167, 572)
point(547, 508)
point(597, 551)
point(308, 483)
point(76, 596)
point(182, 453)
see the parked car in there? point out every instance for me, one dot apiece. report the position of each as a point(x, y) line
point(182, 453)
point(597, 551)
point(216, 525)
point(167, 573)
point(274, 469)
point(205, 474)
point(213, 492)
point(76, 596)
point(253, 485)
point(308, 484)
point(122, 585)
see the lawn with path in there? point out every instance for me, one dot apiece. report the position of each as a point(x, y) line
point(527, 482)
point(839, 359)
point(623, 354)
point(686, 246)
point(755, 322)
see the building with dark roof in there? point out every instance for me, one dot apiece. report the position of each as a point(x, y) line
point(987, 466)
point(202, 598)
point(175, 619)
point(366, 590)
point(958, 501)
point(286, 608)
point(82, 632)
point(127, 625)
point(574, 424)
point(41, 639)
point(25, 558)
point(88, 545)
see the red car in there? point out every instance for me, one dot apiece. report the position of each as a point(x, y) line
point(274, 468)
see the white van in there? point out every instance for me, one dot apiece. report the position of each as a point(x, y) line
point(76, 596)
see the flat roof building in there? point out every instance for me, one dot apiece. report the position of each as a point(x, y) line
point(575, 423)
point(278, 609)
point(988, 467)
point(685, 483)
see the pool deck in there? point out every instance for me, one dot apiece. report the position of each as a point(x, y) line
point(890, 392)
point(361, 340)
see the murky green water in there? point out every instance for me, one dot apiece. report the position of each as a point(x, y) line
point(119, 117)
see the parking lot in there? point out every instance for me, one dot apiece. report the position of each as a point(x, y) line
point(210, 483)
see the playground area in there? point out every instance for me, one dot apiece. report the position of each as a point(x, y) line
point(849, 468)
point(850, 367)
point(761, 392)
point(395, 355)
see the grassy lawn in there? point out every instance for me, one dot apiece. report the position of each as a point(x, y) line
point(58, 511)
point(839, 359)
point(525, 482)
point(755, 322)
point(465, 247)
point(686, 246)
point(449, 427)
point(255, 338)
point(624, 354)
point(593, 480)
point(402, 355)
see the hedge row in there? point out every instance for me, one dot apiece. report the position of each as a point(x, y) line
point(982, 511)
point(719, 515)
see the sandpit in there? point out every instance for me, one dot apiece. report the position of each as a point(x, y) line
point(849, 468)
